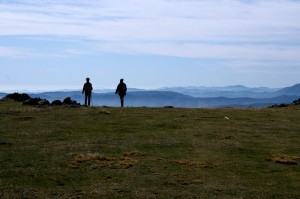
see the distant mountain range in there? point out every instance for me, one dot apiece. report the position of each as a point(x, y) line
point(230, 91)
point(231, 96)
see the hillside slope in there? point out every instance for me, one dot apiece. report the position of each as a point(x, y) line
point(99, 152)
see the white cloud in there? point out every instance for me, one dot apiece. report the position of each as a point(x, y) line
point(232, 29)
point(13, 52)
point(7, 52)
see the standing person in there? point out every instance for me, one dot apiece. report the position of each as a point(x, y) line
point(121, 90)
point(87, 89)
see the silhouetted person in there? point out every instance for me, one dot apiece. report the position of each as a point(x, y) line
point(121, 90)
point(87, 89)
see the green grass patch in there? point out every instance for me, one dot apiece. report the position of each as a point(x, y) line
point(103, 152)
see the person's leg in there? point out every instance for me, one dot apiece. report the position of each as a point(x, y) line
point(122, 101)
point(85, 99)
point(89, 99)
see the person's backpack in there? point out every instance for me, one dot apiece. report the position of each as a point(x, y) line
point(123, 88)
point(88, 87)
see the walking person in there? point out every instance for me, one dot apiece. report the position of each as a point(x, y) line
point(87, 90)
point(121, 90)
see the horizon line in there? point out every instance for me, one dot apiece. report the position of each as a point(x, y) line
point(41, 90)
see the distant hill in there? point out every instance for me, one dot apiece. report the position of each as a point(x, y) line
point(2, 95)
point(195, 97)
point(166, 98)
point(229, 91)
point(293, 90)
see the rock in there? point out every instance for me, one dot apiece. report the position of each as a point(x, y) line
point(57, 103)
point(32, 101)
point(18, 97)
point(69, 101)
point(168, 106)
point(44, 102)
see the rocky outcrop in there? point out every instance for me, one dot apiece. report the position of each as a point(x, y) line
point(69, 101)
point(57, 103)
point(27, 100)
point(19, 97)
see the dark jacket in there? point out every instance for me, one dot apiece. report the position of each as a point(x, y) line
point(121, 89)
point(87, 88)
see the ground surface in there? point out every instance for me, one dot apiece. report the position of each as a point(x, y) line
point(97, 152)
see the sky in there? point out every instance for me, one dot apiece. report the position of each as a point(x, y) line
point(56, 44)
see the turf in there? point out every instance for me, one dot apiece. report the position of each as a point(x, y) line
point(105, 152)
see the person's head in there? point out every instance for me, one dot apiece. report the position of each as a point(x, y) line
point(87, 79)
point(121, 80)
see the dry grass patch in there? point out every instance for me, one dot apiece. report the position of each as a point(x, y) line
point(186, 182)
point(191, 164)
point(134, 154)
point(284, 159)
point(98, 160)
point(104, 112)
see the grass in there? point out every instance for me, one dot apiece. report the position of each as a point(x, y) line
point(102, 152)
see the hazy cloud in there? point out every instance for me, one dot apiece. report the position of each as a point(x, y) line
point(14, 52)
point(232, 29)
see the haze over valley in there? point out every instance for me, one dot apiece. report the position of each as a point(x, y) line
point(193, 97)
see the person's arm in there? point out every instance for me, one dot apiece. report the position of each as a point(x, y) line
point(83, 88)
point(117, 90)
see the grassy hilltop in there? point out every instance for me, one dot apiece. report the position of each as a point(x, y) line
point(100, 152)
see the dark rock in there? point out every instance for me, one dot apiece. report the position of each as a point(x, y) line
point(69, 101)
point(168, 106)
point(44, 102)
point(19, 97)
point(57, 103)
point(32, 101)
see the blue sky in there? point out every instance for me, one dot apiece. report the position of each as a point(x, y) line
point(56, 44)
